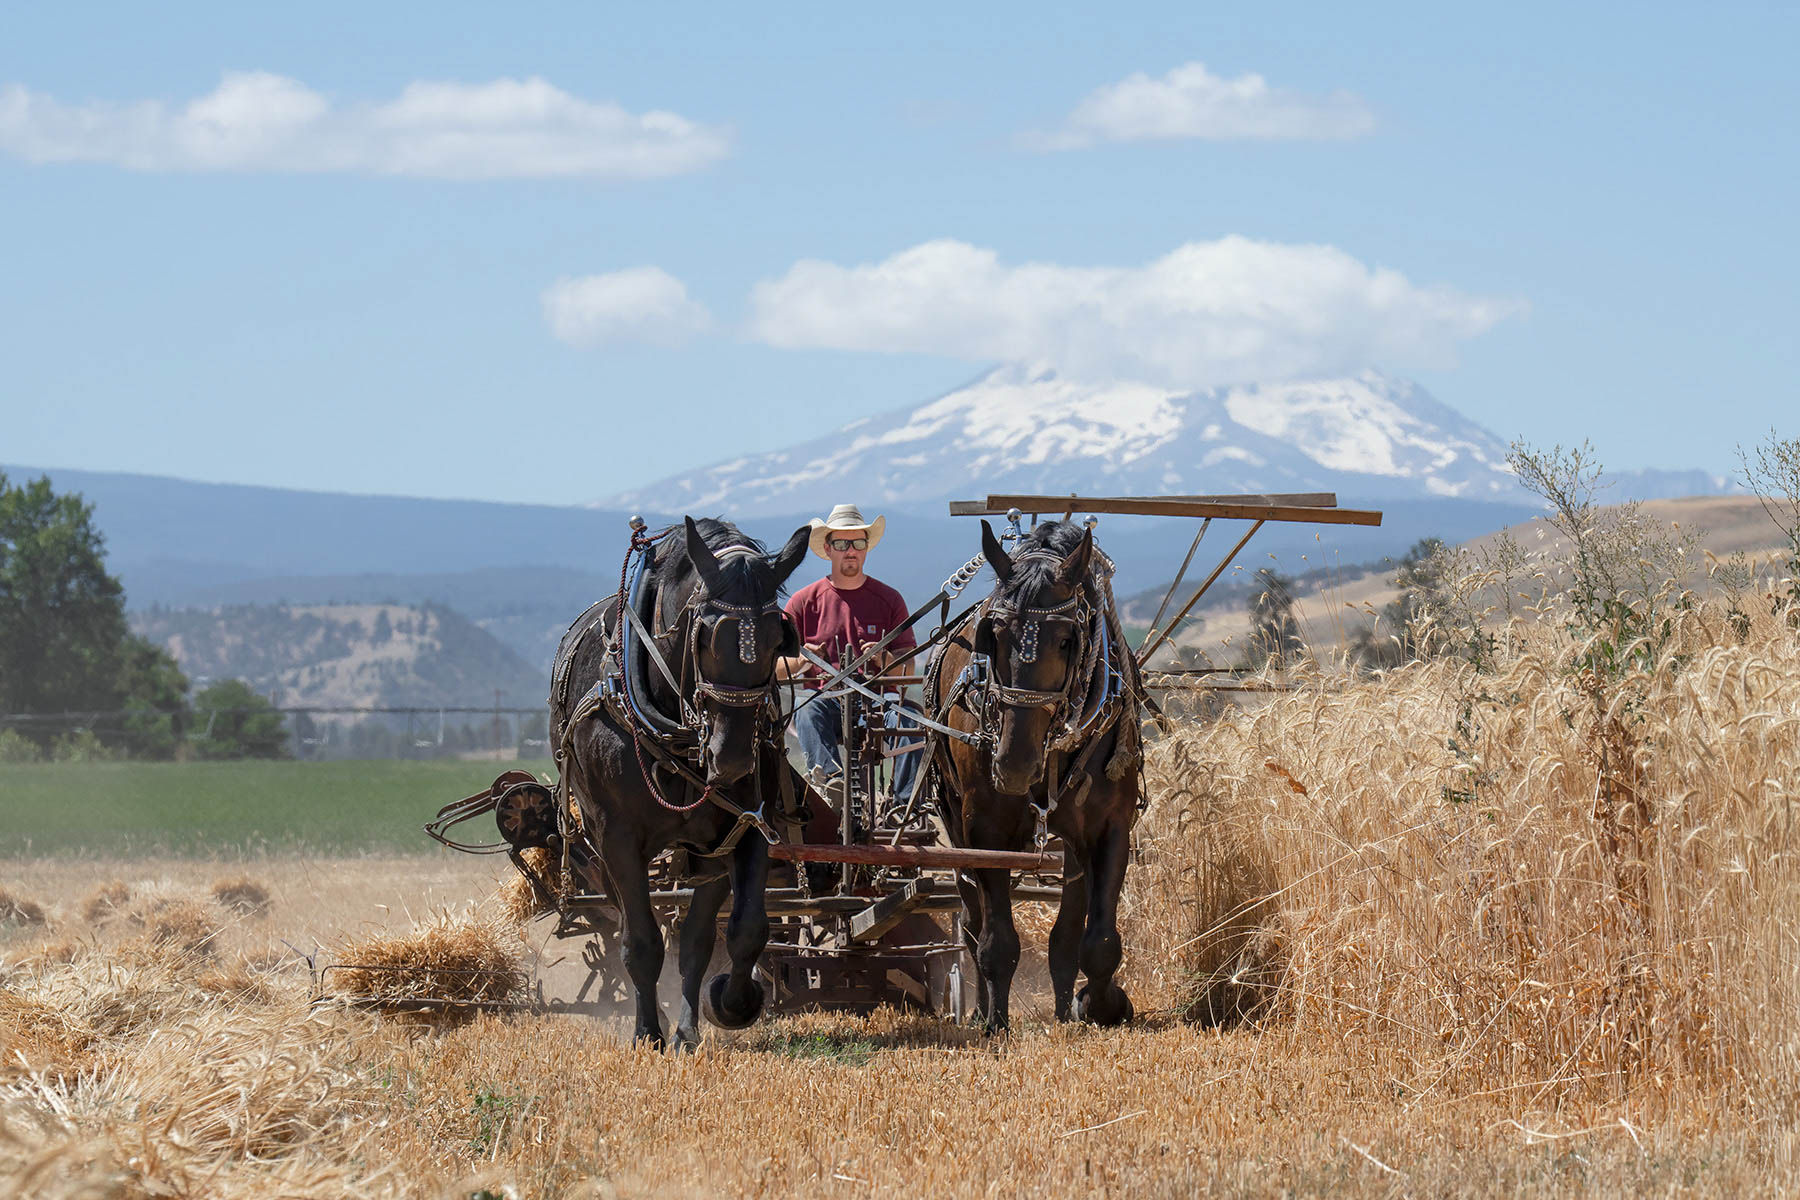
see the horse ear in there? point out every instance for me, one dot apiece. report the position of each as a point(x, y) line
point(789, 556)
point(995, 553)
point(1075, 566)
point(701, 555)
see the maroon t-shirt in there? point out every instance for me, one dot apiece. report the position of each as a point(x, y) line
point(856, 617)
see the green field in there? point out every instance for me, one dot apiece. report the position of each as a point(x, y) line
point(230, 807)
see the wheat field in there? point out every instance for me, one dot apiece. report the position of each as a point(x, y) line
point(1446, 931)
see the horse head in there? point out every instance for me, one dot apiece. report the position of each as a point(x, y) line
point(738, 631)
point(1034, 631)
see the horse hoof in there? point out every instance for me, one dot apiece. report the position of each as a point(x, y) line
point(713, 1004)
point(1114, 1010)
point(686, 1041)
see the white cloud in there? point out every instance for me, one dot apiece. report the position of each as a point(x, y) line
point(642, 304)
point(256, 121)
point(1191, 102)
point(1206, 314)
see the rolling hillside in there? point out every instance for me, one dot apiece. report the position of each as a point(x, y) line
point(347, 655)
point(1330, 609)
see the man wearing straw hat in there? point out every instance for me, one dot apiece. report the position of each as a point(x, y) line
point(839, 616)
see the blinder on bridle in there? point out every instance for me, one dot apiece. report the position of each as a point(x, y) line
point(1075, 611)
point(747, 617)
point(1069, 611)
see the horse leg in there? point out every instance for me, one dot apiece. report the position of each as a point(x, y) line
point(998, 947)
point(971, 933)
point(699, 933)
point(1065, 936)
point(643, 940)
point(1102, 1001)
point(734, 1000)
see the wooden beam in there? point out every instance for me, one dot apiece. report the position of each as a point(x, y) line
point(1291, 499)
point(887, 912)
point(990, 505)
point(1159, 506)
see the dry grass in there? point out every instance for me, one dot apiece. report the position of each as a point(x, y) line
point(39, 1036)
point(19, 910)
point(243, 982)
point(186, 924)
point(1421, 958)
point(105, 902)
point(518, 901)
point(1436, 863)
point(242, 895)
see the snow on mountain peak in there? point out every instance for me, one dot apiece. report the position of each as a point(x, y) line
point(1029, 428)
point(1033, 415)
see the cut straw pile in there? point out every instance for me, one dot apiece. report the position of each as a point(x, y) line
point(518, 901)
point(242, 895)
point(464, 957)
point(19, 910)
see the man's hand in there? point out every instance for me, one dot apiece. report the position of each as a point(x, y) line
point(890, 665)
point(796, 666)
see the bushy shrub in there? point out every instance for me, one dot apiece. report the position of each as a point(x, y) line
point(80, 746)
point(15, 747)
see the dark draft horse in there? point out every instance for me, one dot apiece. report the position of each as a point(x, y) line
point(711, 598)
point(1038, 632)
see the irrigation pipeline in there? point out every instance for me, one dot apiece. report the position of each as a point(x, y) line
point(98, 714)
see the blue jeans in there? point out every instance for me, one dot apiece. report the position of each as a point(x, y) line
point(819, 726)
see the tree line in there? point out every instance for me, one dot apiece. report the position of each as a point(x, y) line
point(75, 682)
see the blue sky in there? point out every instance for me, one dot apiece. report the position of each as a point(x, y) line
point(1588, 212)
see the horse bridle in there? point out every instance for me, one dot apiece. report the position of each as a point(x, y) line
point(746, 616)
point(997, 695)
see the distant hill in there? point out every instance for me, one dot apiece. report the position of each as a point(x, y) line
point(347, 655)
point(523, 572)
point(527, 610)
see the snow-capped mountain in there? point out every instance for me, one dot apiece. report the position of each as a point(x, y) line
point(1024, 429)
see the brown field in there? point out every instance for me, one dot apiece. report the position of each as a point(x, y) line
point(1451, 955)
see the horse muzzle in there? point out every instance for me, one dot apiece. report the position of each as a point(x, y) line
point(730, 753)
point(1019, 751)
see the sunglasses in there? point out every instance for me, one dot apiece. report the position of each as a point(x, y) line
point(861, 543)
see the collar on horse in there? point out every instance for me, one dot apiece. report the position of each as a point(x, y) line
point(1100, 691)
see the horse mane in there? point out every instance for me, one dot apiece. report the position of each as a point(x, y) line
point(1036, 558)
point(742, 573)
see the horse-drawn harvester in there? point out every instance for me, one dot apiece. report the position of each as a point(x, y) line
point(871, 898)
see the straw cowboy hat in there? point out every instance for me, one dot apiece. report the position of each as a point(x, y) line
point(845, 517)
